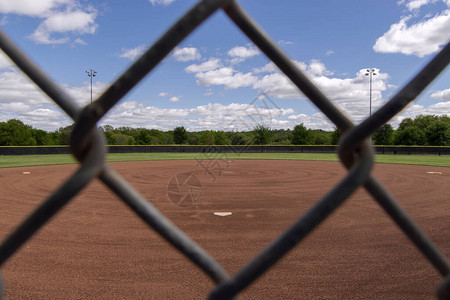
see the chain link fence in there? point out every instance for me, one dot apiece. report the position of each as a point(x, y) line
point(355, 152)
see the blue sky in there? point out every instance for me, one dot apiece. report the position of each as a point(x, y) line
point(216, 78)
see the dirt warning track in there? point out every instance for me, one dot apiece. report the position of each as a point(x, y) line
point(97, 249)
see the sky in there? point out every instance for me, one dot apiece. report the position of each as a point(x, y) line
point(216, 79)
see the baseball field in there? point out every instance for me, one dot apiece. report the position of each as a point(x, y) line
point(96, 248)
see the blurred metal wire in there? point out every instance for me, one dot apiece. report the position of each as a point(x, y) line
point(355, 152)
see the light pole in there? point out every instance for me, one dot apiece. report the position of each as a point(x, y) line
point(370, 73)
point(91, 73)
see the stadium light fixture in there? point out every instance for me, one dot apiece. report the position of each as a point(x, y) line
point(91, 73)
point(370, 73)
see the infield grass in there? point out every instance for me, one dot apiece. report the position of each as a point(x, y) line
point(9, 161)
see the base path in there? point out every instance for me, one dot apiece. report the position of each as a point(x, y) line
point(97, 249)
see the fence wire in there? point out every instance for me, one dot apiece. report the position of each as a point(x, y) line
point(355, 152)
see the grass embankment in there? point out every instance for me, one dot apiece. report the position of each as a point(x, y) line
point(8, 161)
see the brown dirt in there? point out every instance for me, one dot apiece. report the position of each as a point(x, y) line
point(97, 249)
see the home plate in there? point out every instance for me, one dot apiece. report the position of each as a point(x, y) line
point(440, 173)
point(222, 213)
point(26, 173)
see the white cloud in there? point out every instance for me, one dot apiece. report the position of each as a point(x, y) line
point(413, 110)
point(441, 108)
point(186, 54)
point(277, 85)
point(442, 95)
point(416, 4)
point(268, 68)
point(77, 21)
point(5, 62)
point(284, 43)
point(329, 52)
point(14, 87)
point(421, 38)
point(15, 107)
point(59, 17)
point(132, 53)
point(30, 7)
point(161, 2)
point(22, 99)
point(82, 94)
point(350, 94)
point(271, 67)
point(79, 41)
point(209, 92)
point(209, 65)
point(215, 116)
point(317, 68)
point(315, 121)
point(172, 98)
point(244, 52)
point(239, 54)
point(225, 76)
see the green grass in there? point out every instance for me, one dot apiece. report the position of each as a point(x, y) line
point(8, 161)
point(425, 160)
point(231, 156)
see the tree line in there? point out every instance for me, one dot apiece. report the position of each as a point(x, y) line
point(423, 130)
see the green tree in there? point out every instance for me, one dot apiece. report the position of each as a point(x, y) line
point(193, 138)
point(110, 138)
point(409, 136)
point(406, 122)
point(42, 137)
point(167, 138)
point(301, 135)
point(4, 134)
point(108, 131)
point(262, 135)
point(220, 138)
point(62, 135)
point(206, 137)
point(16, 133)
point(179, 135)
point(438, 134)
point(445, 119)
point(408, 133)
point(423, 121)
point(282, 137)
point(335, 136)
point(239, 138)
point(320, 137)
point(123, 139)
point(384, 135)
point(144, 137)
point(107, 128)
point(129, 131)
point(157, 137)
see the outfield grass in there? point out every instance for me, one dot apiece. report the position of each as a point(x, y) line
point(8, 161)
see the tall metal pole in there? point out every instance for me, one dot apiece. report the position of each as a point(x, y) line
point(370, 73)
point(91, 73)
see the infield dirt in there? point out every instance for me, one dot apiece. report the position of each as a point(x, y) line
point(97, 249)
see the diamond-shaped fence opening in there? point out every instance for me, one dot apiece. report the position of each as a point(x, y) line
point(355, 152)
